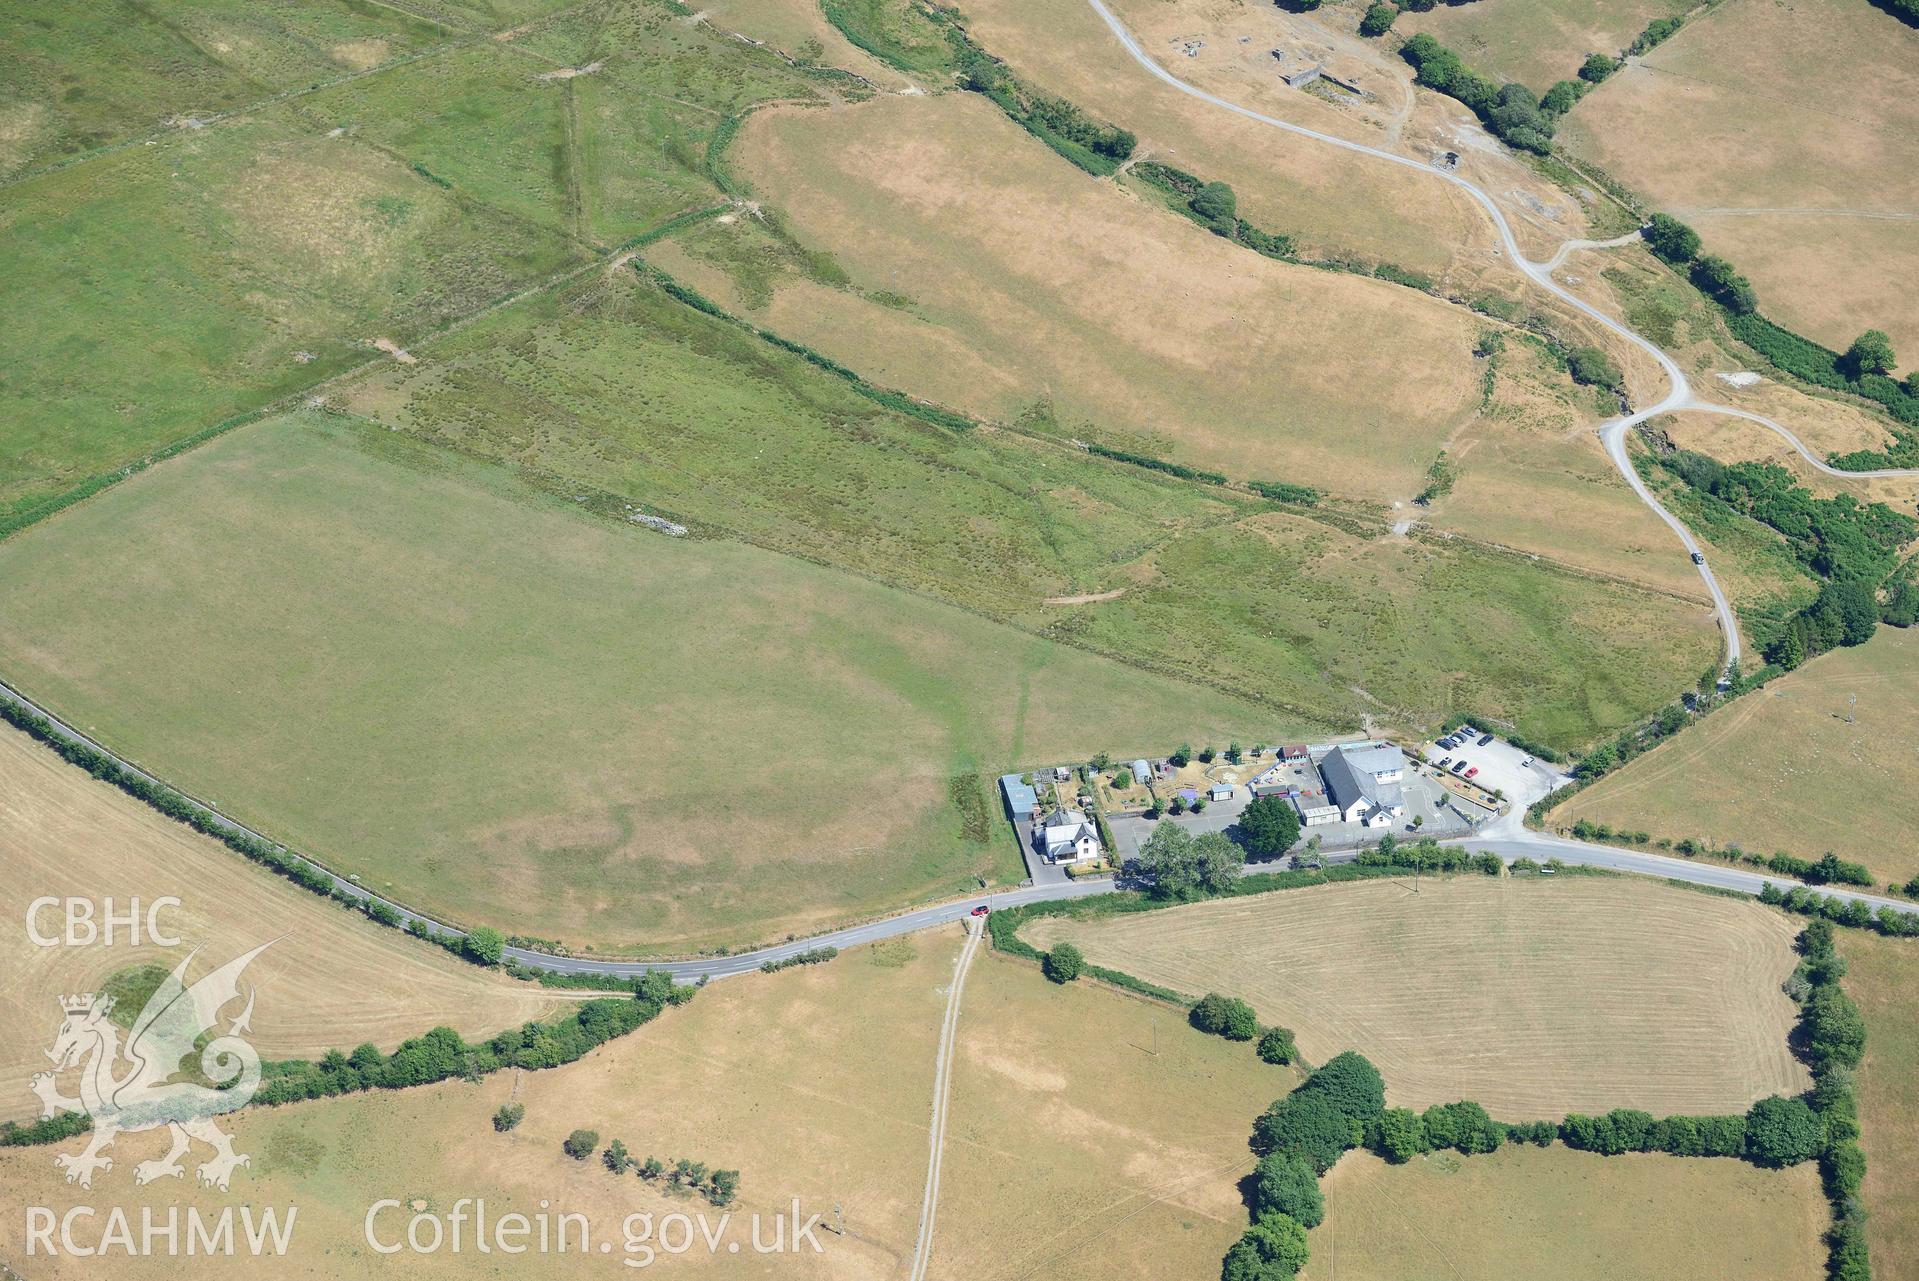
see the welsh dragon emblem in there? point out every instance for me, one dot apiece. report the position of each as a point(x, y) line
point(145, 1096)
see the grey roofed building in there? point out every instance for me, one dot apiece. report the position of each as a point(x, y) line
point(1068, 836)
point(1360, 795)
point(1021, 800)
point(1384, 762)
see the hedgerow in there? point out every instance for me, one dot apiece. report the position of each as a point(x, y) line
point(897, 401)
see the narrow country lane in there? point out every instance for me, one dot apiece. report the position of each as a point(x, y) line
point(942, 1091)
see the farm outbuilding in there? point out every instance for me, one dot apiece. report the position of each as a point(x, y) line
point(1022, 802)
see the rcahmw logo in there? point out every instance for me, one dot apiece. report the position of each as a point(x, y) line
point(145, 1096)
point(85, 1233)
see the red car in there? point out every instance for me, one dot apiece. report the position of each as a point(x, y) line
point(981, 910)
point(1474, 770)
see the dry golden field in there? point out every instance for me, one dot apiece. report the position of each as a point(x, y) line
point(1029, 278)
point(1883, 977)
point(1332, 201)
point(1068, 1146)
point(815, 1083)
point(1536, 42)
point(64, 834)
point(1812, 194)
point(1573, 1216)
point(1093, 1135)
point(1535, 998)
point(1782, 769)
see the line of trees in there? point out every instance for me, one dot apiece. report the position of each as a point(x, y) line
point(1828, 869)
point(811, 956)
point(718, 1186)
point(1888, 920)
point(442, 1054)
point(1832, 1037)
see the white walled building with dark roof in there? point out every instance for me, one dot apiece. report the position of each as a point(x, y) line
point(1364, 783)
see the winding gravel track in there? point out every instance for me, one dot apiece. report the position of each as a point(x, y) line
point(1679, 394)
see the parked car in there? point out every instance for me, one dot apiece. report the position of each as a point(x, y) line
point(1464, 732)
point(1458, 767)
point(1474, 770)
point(1527, 763)
point(1485, 739)
point(1444, 761)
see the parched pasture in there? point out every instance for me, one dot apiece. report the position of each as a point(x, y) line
point(1716, 126)
point(1783, 768)
point(64, 834)
point(1573, 1216)
point(1536, 42)
point(1884, 980)
point(1025, 278)
point(1534, 998)
point(815, 1083)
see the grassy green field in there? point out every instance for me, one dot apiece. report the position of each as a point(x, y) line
point(157, 290)
point(1532, 1212)
point(1292, 610)
point(895, 32)
point(1883, 977)
point(511, 712)
point(1784, 769)
point(81, 75)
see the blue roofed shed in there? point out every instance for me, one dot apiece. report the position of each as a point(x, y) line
point(1021, 800)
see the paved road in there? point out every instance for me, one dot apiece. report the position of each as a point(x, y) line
point(942, 1090)
point(1506, 836)
point(1679, 394)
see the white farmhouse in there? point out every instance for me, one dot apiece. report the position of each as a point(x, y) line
point(1068, 836)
